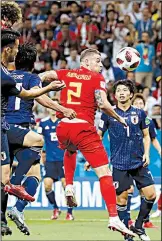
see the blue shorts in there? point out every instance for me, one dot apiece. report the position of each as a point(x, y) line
point(54, 170)
point(16, 135)
point(5, 156)
point(123, 179)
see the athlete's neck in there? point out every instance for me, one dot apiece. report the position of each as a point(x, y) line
point(124, 106)
point(84, 66)
point(53, 118)
point(4, 60)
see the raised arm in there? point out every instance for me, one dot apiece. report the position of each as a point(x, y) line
point(33, 93)
point(105, 106)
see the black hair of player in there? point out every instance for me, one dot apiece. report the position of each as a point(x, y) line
point(26, 57)
point(10, 11)
point(8, 37)
point(128, 83)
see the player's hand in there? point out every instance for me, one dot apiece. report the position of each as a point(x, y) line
point(146, 160)
point(57, 85)
point(87, 167)
point(122, 121)
point(69, 113)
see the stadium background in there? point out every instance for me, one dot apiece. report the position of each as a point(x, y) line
point(60, 30)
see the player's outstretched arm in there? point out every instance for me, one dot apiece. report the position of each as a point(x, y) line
point(48, 103)
point(105, 106)
point(33, 93)
point(157, 145)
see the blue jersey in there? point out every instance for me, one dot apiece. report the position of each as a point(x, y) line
point(8, 88)
point(126, 143)
point(48, 129)
point(19, 111)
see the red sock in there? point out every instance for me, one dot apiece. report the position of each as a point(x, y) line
point(69, 166)
point(109, 194)
point(160, 203)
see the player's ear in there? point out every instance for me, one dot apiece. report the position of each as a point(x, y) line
point(8, 50)
point(131, 95)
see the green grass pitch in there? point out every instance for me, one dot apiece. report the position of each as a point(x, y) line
point(88, 225)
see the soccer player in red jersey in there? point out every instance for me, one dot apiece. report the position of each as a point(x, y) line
point(85, 90)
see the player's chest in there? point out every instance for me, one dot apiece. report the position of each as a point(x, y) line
point(50, 133)
point(133, 124)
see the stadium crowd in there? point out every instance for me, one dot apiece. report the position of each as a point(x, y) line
point(61, 30)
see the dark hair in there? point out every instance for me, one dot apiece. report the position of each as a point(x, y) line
point(128, 83)
point(11, 11)
point(138, 96)
point(26, 57)
point(8, 37)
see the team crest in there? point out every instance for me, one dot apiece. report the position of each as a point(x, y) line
point(134, 119)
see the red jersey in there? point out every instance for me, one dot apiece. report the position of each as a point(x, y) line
point(79, 93)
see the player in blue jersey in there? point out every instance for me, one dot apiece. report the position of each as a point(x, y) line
point(23, 142)
point(54, 167)
point(139, 102)
point(9, 45)
point(130, 154)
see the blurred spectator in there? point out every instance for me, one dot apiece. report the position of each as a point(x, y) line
point(55, 56)
point(88, 32)
point(145, 24)
point(120, 39)
point(66, 39)
point(63, 63)
point(144, 72)
point(156, 116)
point(107, 32)
point(150, 101)
point(54, 17)
point(48, 43)
point(135, 13)
point(36, 15)
point(108, 71)
point(73, 60)
point(74, 8)
point(96, 15)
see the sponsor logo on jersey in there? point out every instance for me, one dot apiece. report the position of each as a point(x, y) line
point(134, 119)
point(78, 76)
point(46, 128)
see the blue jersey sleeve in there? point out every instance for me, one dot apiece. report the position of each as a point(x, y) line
point(40, 128)
point(103, 124)
point(35, 81)
point(145, 121)
point(152, 130)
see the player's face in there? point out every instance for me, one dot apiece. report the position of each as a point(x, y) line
point(123, 94)
point(12, 52)
point(139, 103)
point(94, 63)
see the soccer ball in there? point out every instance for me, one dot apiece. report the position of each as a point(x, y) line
point(128, 59)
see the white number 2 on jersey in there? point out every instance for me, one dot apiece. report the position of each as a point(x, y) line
point(53, 136)
point(17, 99)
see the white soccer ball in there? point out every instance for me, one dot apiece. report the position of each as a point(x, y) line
point(128, 59)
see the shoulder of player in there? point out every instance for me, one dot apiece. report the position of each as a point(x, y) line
point(137, 110)
point(45, 119)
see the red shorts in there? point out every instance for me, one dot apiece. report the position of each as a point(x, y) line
point(83, 137)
